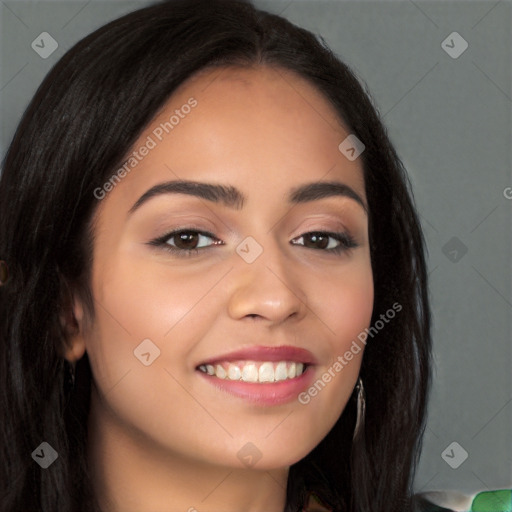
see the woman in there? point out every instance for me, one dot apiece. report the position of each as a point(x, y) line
point(215, 291)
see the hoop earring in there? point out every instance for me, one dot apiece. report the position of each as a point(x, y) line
point(361, 407)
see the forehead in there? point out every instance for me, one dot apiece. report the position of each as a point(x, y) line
point(267, 93)
point(252, 127)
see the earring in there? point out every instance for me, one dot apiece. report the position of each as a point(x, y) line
point(69, 375)
point(361, 406)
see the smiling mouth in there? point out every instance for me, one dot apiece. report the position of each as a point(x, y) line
point(255, 371)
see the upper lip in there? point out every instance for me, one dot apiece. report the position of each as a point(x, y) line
point(262, 353)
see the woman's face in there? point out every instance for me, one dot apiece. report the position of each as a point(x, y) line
point(261, 295)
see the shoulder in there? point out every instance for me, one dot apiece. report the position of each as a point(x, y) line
point(453, 501)
point(445, 501)
point(421, 504)
point(315, 505)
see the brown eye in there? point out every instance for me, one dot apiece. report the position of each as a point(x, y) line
point(186, 240)
point(316, 240)
point(341, 242)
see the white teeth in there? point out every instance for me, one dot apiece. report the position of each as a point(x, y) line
point(234, 373)
point(280, 372)
point(266, 372)
point(252, 371)
point(220, 372)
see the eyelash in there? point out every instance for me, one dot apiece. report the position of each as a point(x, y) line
point(347, 242)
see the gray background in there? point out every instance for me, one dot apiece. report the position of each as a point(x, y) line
point(450, 121)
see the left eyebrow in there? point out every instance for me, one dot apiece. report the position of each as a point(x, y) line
point(234, 198)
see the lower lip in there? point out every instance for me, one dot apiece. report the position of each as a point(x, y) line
point(269, 393)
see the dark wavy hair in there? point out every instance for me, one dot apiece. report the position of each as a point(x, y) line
point(80, 124)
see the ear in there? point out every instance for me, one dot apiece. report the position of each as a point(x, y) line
point(72, 323)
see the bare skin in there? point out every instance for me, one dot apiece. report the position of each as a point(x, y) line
point(162, 437)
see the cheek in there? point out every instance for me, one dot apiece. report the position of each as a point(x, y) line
point(134, 303)
point(348, 305)
point(141, 311)
point(150, 303)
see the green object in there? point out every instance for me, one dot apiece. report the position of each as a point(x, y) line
point(493, 501)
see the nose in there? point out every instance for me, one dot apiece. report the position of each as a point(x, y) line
point(268, 288)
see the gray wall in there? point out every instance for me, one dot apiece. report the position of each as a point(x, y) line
point(449, 119)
